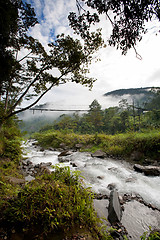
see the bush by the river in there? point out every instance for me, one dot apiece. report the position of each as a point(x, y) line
point(52, 202)
point(10, 142)
point(119, 145)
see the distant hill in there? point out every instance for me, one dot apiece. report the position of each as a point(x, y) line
point(141, 96)
point(148, 91)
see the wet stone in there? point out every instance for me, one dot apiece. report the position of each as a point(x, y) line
point(99, 154)
point(73, 164)
point(65, 153)
point(62, 160)
point(100, 196)
point(29, 163)
point(100, 177)
point(111, 186)
point(114, 208)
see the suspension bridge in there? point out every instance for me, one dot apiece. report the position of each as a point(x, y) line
point(57, 110)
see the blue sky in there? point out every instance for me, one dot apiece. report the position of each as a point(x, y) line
point(114, 71)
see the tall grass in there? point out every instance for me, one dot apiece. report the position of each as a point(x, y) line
point(55, 202)
point(119, 145)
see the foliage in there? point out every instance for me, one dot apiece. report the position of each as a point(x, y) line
point(10, 156)
point(152, 236)
point(95, 115)
point(16, 18)
point(29, 77)
point(53, 138)
point(50, 203)
point(154, 103)
point(119, 145)
point(10, 142)
point(127, 19)
point(8, 169)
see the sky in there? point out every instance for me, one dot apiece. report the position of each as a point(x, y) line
point(114, 71)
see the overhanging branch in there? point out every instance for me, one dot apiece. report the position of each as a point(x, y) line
point(37, 100)
point(24, 57)
point(27, 89)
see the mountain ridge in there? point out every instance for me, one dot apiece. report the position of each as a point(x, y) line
point(150, 91)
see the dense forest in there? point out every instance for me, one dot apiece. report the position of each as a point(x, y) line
point(119, 119)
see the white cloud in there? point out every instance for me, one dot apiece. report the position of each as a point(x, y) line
point(114, 71)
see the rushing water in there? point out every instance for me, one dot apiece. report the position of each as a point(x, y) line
point(99, 173)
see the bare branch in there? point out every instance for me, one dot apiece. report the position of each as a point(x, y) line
point(25, 56)
point(79, 6)
point(137, 54)
point(110, 19)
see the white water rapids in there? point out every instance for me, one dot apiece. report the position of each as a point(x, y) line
point(99, 173)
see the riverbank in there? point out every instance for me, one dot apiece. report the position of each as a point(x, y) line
point(142, 148)
point(74, 163)
point(104, 174)
point(53, 206)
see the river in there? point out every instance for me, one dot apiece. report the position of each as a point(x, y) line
point(99, 173)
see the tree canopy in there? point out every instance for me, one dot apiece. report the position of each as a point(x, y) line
point(35, 72)
point(127, 17)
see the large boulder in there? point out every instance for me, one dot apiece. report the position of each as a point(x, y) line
point(114, 208)
point(148, 170)
point(99, 154)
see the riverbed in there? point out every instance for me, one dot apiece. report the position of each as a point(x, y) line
point(99, 174)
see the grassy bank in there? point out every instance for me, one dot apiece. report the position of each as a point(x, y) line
point(57, 202)
point(51, 203)
point(10, 155)
point(127, 145)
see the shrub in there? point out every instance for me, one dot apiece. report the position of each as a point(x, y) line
point(52, 202)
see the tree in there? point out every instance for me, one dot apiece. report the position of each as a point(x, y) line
point(124, 120)
point(123, 104)
point(38, 71)
point(127, 17)
point(15, 19)
point(95, 115)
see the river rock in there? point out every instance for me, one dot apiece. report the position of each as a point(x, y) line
point(114, 208)
point(43, 170)
point(28, 163)
point(42, 149)
point(64, 153)
point(131, 179)
point(63, 146)
point(63, 159)
point(148, 170)
point(73, 164)
point(136, 156)
point(78, 146)
point(111, 186)
point(100, 177)
point(99, 154)
point(47, 164)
